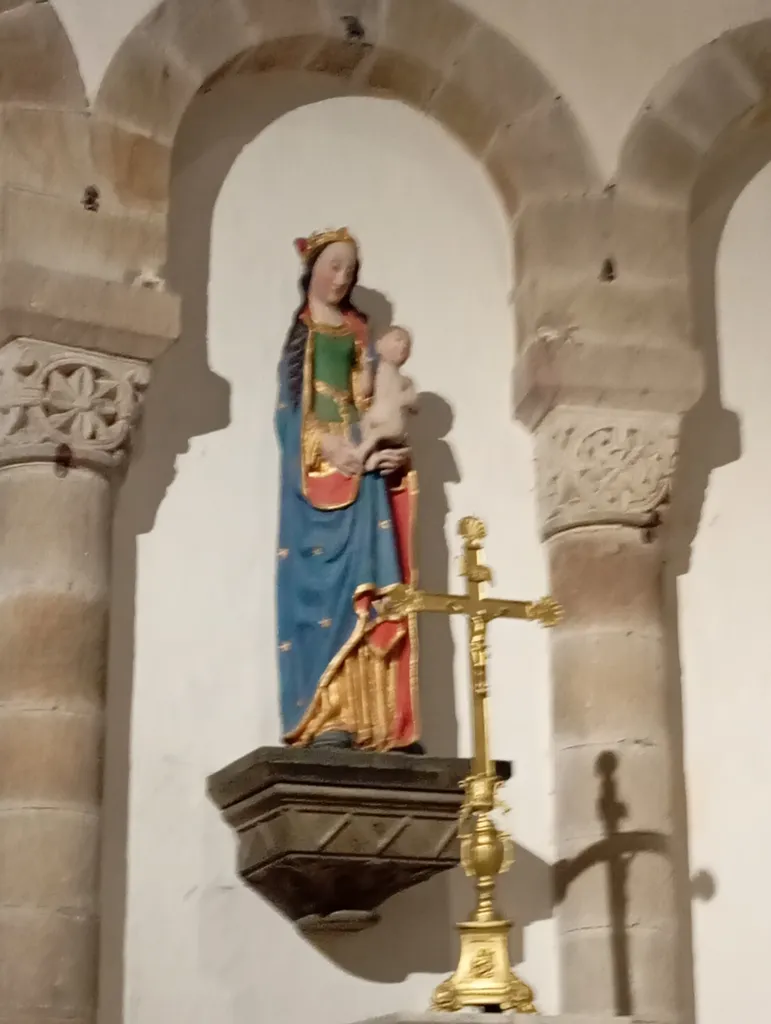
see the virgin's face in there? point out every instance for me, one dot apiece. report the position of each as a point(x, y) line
point(333, 273)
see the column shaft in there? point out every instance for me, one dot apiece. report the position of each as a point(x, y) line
point(617, 914)
point(54, 558)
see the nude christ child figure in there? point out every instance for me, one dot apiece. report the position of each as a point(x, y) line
point(384, 424)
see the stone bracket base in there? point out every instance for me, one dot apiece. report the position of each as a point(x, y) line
point(327, 835)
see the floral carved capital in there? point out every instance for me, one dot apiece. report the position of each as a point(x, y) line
point(57, 400)
point(599, 466)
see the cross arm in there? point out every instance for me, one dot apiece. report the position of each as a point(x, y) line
point(404, 599)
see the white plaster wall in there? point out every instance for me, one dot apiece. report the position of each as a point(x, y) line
point(199, 947)
point(725, 613)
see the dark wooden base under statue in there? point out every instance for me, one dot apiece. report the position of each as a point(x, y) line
point(328, 835)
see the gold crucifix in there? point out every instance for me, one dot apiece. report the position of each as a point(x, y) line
point(484, 976)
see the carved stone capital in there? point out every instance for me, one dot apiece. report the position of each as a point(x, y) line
point(68, 404)
point(598, 466)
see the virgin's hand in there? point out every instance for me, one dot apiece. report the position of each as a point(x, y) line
point(349, 463)
point(392, 459)
point(341, 455)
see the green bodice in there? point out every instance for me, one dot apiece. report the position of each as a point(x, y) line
point(334, 358)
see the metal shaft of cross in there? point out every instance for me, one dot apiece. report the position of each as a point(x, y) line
point(484, 976)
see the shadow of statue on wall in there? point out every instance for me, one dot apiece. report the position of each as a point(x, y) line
point(617, 850)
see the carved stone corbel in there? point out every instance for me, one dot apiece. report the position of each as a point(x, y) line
point(61, 402)
point(600, 466)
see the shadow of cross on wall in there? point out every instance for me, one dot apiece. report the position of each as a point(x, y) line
point(617, 850)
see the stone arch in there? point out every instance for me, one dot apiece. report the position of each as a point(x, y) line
point(698, 138)
point(717, 95)
point(435, 55)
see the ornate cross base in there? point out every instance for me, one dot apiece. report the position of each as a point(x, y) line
point(484, 976)
point(328, 835)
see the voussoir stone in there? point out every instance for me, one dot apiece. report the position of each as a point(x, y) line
point(298, 18)
point(37, 62)
point(356, 21)
point(752, 44)
point(432, 31)
point(419, 43)
point(145, 89)
point(658, 160)
point(489, 85)
point(540, 153)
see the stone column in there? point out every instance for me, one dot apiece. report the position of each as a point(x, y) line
point(603, 476)
point(66, 417)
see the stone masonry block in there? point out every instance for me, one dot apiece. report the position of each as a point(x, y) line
point(403, 76)
point(651, 239)
point(65, 672)
point(540, 153)
point(203, 36)
point(431, 32)
point(619, 878)
point(146, 89)
point(346, 19)
point(633, 310)
point(46, 231)
point(641, 774)
point(608, 687)
point(50, 757)
point(491, 84)
point(71, 563)
point(37, 62)
point(61, 153)
point(34, 878)
point(571, 233)
point(274, 21)
point(659, 161)
point(134, 171)
point(70, 309)
point(49, 964)
point(608, 578)
point(288, 53)
point(590, 973)
point(560, 368)
point(705, 94)
point(340, 58)
point(752, 44)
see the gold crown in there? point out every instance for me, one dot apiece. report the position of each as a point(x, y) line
point(308, 247)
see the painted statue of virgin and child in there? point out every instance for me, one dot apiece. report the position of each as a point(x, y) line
point(348, 502)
